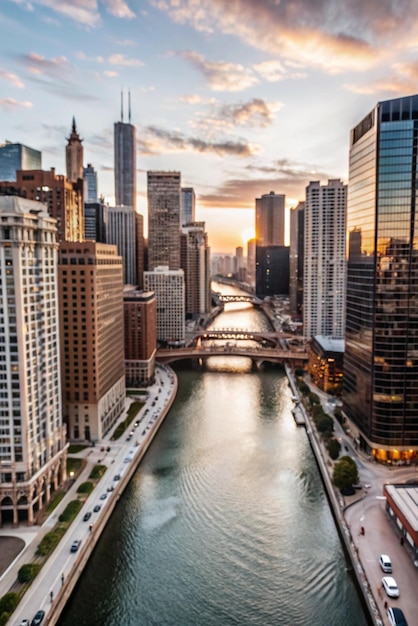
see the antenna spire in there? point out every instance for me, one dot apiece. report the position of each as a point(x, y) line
point(121, 105)
point(129, 108)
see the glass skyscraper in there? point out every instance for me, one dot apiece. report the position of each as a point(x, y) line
point(381, 357)
point(16, 156)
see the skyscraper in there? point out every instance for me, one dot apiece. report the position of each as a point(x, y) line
point(33, 443)
point(188, 205)
point(90, 183)
point(195, 262)
point(125, 160)
point(381, 354)
point(296, 257)
point(270, 219)
point(121, 231)
point(324, 259)
point(15, 156)
point(164, 200)
point(140, 324)
point(74, 155)
point(92, 339)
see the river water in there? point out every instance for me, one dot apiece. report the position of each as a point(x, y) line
point(226, 521)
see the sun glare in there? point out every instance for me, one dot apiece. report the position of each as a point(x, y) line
point(247, 234)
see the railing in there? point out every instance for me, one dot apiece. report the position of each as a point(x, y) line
point(256, 353)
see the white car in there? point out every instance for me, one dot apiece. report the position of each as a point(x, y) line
point(385, 563)
point(390, 586)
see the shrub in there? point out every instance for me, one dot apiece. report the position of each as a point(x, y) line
point(28, 572)
point(9, 602)
point(86, 487)
point(97, 472)
point(70, 511)
point(50, 542)
point(303, 387)
point(313, 399)
point(325, 424)
point(334, 448)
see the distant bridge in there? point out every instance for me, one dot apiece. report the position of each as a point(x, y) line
point(238, 298)
point(258, 354)
point(236, 334)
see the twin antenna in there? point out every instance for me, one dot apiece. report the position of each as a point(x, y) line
point(129, 106)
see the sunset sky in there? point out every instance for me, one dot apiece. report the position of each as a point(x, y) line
point(243, 97)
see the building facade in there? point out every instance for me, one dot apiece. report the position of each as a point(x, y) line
point(121, 231)
point(381, 357)
point(195, 262)
point(92, 339)
point(140, 323)
point(95, 221)
point(63, 199)
point(164, 202)
point(90, 184)
point(324, 260)
point(16, 156)
point(33, 437)
point(270, 219)
point(74, 155)
point(168, 286)
point(188, 206)
point(272, 271)
point(296, 258)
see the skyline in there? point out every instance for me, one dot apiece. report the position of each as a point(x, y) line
point(242, 98)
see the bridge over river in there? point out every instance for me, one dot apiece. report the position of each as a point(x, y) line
point(258, 354)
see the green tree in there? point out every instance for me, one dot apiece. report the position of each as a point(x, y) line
point(345, 473)
point(334, 448)
point(28, 572)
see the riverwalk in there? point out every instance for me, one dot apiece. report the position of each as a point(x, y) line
point(363, 523)
point(55, 582)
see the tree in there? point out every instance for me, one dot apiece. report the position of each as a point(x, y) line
point(334, 448)
point(345, 473)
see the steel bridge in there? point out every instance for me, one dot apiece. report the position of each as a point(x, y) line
point(237, 298)
point(237, 334)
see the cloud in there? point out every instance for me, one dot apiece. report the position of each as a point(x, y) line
point(110, 74)
point(159, 141)
point(256, 112)
point(9, 104)
point(273, 71)
point(37, 64)
point(196, 99)
point(120, 59)
point(85, 12)
point(221, 76)
point(13, 78)
point(401, 79)
point(289, 178)
point(314, 33)
point(119, 8)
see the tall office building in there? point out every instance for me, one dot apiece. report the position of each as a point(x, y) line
point(270, 219)
point(74, 155)
point(381, 353)
point(16, 156)
point(92, 339)
point(272, 271)
point(140, 323)
point(33, 442)
point(63, 199)
point(168, 286)
point(188, 206)
point(125, 160)
point(251, 250)
point(324, 259)
point(121, 231)
point(140, 249)
point(195, 262)
point(90, 184)
point(296, 258)
point(164, 200)
point(95, 221)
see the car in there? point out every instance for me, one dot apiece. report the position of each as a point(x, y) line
point(385, 563)
point(103, 496)
point(87, 516)
point(24, 622)
point(390, 586)
point(75, 545)
point(97, 508)
point(39, 616)
point(110, 488)
point(126, 460)
point(396, 617)
point(116, 477)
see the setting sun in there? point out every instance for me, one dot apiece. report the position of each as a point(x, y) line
point(247, 234)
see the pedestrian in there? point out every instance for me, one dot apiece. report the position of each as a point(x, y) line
point(62, 579)
point(402, 541)
point(52, 596)
point(379, 591)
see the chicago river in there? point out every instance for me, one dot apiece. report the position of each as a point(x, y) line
point(226, 520)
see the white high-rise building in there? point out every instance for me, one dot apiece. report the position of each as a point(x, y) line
point(168, 286)
point(32, 434)
point(121, 231)
point(324, 260)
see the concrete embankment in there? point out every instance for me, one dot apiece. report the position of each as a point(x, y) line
point(70, 582)
point(337, 507)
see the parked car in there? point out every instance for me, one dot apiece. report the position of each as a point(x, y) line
point(75, 545)
point(24, 622)
point(116, 477)
point(110, 488)
point(390, 586)
point(87, 516)
point(385, 563)
point(97, 508)
point(396, 617)
point(39, 616)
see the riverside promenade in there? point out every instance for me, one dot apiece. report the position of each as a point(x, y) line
point(366, 509)
point(55, 582)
